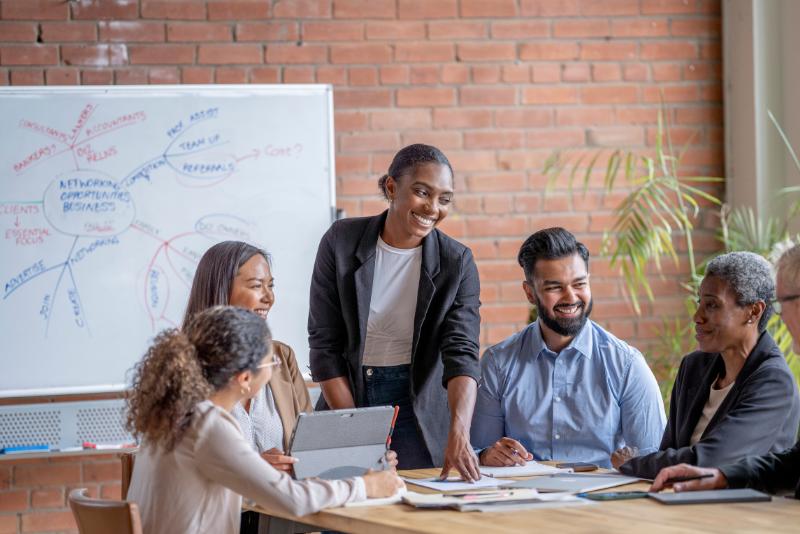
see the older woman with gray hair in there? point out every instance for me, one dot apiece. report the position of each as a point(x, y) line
point(735, 396)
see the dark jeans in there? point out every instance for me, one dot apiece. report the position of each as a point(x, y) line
point(390, 386)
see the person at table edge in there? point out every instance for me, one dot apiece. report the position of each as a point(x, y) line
point(776, 472)
point(736, 395)
point(563, 388)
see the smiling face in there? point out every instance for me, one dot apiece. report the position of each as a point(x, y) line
point(720, 323)
point(419, 201)
point(253, 285)
point(561, 293)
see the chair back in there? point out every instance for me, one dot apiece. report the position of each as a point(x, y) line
point(126, 461)
point(100, 516)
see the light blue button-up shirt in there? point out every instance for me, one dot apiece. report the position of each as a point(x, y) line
point(595, 396)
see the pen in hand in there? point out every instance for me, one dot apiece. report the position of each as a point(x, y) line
point(675, 480)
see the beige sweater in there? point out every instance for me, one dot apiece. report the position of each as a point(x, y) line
point(198, 486)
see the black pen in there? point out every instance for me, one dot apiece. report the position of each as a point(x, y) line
point(675, 480)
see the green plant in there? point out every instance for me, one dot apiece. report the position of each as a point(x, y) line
point(660, 208)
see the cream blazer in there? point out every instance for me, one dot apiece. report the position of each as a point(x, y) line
point(198, 486)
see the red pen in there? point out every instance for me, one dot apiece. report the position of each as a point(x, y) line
point(391, 428)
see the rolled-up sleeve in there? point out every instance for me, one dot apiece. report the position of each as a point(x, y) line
point(488, 420)
point(325, 325)
point(460, 330)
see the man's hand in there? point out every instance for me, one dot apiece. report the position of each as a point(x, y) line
point(459, 456)
point(716, 481)
point(620, 456)
point(278, 460)
point(505, 452)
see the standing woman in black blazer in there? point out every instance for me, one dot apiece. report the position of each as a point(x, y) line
point(394, 316)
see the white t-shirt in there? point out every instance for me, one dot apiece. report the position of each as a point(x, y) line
point(392, 306)
point(715, 398)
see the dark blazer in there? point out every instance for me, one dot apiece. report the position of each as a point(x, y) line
point(446, 322)
point(773, 472)
point(760, 414)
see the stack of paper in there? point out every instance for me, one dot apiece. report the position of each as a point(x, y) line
point(530, 469)
point(490, 500)
point(456, 483)
point(394, 499)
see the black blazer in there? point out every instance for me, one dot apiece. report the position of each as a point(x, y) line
point(773, 472)
point(446, 322)
point(760, 414)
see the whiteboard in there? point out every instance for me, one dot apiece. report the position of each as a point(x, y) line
point(109, 196)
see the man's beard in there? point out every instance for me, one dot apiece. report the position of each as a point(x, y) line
point(567, 327)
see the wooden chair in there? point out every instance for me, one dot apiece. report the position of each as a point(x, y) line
point(126, 461)
point(100, 516)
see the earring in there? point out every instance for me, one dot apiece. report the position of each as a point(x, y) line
point(245, 391)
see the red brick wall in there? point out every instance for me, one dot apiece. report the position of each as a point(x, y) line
point(33, 492)
point(497, 84)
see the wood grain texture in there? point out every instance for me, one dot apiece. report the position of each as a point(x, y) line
point(620, 517)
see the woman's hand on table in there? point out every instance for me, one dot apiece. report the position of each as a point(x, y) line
point(277, 459)
point(716, 481)
point(459, 456)
point(382, 483)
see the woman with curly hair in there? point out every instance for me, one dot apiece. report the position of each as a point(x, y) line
point(194, 465)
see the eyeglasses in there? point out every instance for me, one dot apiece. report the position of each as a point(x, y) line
point(777, 304)
point(274, 361)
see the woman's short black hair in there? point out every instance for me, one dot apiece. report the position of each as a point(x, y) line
point(410, 157)
point(549, 244)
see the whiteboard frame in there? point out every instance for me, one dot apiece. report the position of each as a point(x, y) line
point(212, 90)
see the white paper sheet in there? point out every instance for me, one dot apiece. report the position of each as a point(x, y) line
point(513, 507)
point(394, 499)
point(455, 483)
point(531, 468)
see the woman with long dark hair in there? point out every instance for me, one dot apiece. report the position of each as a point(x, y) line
point(238, 274)
point(394, 316)
point(194, 465)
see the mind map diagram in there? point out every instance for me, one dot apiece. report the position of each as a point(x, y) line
point(97, 210)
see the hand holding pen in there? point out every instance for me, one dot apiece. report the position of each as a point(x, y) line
point(505, 452)
point(685, 477)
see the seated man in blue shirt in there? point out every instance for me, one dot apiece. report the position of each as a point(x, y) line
point(563, 388)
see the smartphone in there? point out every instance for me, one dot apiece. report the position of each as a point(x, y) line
point(613, 495)
point(578, 467)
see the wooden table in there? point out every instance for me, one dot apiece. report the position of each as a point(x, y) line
point(634, 516)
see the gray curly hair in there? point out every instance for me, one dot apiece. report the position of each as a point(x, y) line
point(750, 278)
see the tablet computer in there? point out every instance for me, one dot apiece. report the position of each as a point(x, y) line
point(340, 443)
point(711, 496)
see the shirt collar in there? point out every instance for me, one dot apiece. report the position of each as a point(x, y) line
point(581, 343)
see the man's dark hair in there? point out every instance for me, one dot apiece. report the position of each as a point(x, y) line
point(549, 244)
